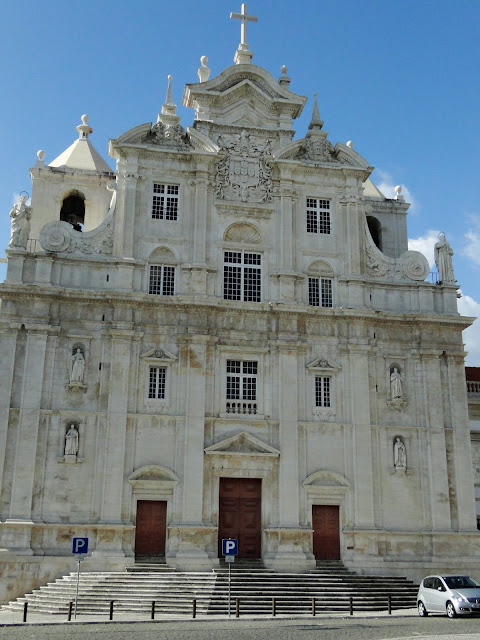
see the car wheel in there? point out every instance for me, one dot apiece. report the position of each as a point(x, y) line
point(451, 613)
point(422, 612)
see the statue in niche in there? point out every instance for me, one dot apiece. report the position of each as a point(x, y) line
point(396, 386)
point(71, 441)
point(20, 225)
point(399, 455)
point(443, 260)
point(78, 367)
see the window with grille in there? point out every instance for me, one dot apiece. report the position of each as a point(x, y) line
point(156, 385)
point(241, 392)
point(322, 391)
point(320, 292)
point(318, 215)
point(242, 276)
point(165, 202)
point(161, 280)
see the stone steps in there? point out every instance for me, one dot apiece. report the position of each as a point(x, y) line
point(332, 586)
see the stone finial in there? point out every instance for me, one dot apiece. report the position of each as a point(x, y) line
point(84, 129)
point(169, 107)
point(204, 71)
point(316, 122)
point(284, 69)
point(350, 144)
point(41, 155)
point(398, 191)
point(284, 80)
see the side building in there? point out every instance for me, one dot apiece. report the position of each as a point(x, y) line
point(228, 337)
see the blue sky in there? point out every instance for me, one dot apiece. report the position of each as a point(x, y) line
point(400, 79)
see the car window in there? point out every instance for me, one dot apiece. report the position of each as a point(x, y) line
point(461, 582)
point(428, 583)
point(437, 584)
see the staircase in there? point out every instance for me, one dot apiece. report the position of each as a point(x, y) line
point(330, 584)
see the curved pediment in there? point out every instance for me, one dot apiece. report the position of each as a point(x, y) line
point(325, 478)
point(153, 477)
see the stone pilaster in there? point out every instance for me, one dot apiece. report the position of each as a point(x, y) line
point(362, 436)
point(27, 435)
point(437, 462)
point(124, 232)
point(200, 218)
point(464, 480)
point(8, 343)
point(114, 472)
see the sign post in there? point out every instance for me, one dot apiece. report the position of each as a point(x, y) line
point(79, 547)
point(229, 550)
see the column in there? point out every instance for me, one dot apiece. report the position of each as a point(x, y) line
point(287, 274)
point(124, 231)
point(462, 455)
point(437, 462)
point(362, 436)
point(199, 267)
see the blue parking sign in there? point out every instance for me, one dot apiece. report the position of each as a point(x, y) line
point(80, 545)
point(229, 547)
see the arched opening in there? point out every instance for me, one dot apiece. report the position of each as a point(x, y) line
point(73, 210)
point(375, 229)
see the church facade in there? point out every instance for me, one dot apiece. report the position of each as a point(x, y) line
point(228, 337)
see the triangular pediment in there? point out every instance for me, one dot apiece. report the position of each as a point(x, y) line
point(158, 354)
point(242, 444)
point(323, 365)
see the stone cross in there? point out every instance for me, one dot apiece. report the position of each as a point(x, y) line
point(244, 18)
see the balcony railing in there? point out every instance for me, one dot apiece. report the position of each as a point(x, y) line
point(244, 408)
point(473, 387)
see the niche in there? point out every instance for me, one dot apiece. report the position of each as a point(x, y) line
point(375, 229)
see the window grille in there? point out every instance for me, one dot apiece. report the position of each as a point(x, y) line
point(162, 280)
point(318, 215)
point(241, 386)
point(165, 202)
point(320, 292)
point(322, 391)
point(242, 276)
point(156, 387)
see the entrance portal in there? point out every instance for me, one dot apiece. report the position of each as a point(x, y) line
point(326, 532)
point(240, 515)
point(151, 528)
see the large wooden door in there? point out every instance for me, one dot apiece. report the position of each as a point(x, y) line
point(151, 527)
point(240, 515)
point(326, 532)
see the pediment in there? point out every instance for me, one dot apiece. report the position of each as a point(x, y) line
point(315, 150)
point(153, 477)
point(242, 444)
point(323, 365)
point(326, 478)
point(158, 354)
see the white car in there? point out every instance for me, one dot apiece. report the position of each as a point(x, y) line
point(450, 594)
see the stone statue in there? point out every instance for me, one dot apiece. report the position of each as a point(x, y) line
point(20, 225)
point(396, 390)
point(443, 260)
point(78, 367)
point(71, 441)
point(399, 455)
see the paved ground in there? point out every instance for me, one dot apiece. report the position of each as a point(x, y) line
point(404, 625)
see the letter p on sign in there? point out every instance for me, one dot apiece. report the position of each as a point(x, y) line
point(229, 547)
point(80, 545)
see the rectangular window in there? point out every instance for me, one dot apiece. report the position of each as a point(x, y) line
point(320, 292)
point(165, 202)
point(318, 215)
point(241, 386)
point(242, 276)
point(156, 386)
point(162, 280)
point(322, 391)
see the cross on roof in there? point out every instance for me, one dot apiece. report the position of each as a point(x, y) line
point(244, 18)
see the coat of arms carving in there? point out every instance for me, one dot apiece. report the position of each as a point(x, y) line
point(244, 174)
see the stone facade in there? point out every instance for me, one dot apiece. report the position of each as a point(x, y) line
point(235, 305)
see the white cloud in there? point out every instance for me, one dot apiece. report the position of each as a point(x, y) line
point(467, 306)
point(425, 244)
point(472, 237)
point(387, 187)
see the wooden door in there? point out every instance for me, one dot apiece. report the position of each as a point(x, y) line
point(151, 527)
point(326, 532)
point(240, 515)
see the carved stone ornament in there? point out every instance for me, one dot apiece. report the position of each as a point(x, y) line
point(244, 174)
point(167, 135)
point(412, 265)
point(59, 237)
point(397, 404)
point(244, 233)
point(317, 150)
